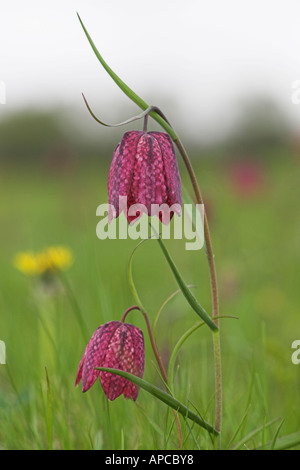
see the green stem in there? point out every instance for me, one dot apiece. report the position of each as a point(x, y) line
point(218, 383)
point(209, 248)
point(159, 362)
point(214, 292)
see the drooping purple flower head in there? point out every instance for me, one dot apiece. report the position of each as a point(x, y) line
point(119, 346)
point(144, 171)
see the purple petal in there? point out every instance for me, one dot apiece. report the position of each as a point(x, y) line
point(137, 368)
point(80, 367)
point(148, 182)
point(171, 170)
point(83, 359)
point(125, 352)
point(95, 352)
point(120, 173)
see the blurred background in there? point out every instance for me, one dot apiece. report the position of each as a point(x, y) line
point(226, 76)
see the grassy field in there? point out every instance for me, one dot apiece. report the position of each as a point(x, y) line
point(256, 242)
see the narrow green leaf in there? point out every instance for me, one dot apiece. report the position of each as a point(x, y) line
point(179, 344)
point(162, 396)
point(175, 352)
point(283, 443)
point(186, 291)
point(253, 433)
point(125, 88)
point(273, 443)
point(239, 427)
point(49, 412)
point(152, 423)
point(157, 315)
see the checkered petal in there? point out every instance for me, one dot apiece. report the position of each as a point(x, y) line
point(116, 345)
point(144, 170)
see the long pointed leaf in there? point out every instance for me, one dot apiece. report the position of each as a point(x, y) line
point(273, 444)
point(186, 291)
point(162, 396)
point(125, 88)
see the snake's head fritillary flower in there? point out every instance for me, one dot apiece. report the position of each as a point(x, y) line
point(145, 172)
point(116, 345)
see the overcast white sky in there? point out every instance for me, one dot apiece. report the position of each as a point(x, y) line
point(202, 55)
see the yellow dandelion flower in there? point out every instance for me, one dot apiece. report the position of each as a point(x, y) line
point(58, 257)
point(27, 263)
point(54, 258)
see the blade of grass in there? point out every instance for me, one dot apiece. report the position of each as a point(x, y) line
point(152, 423)
point(283, 443)
point(168, 432)
point(157, 315)
point(254, 433)
point(240, 426)
point(249, 398)
point(49, 412)
point(175, 351)
point(276, 435)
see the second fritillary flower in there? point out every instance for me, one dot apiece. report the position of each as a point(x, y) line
point(116, 345)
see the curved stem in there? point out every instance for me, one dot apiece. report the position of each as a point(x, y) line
point(214, 291)
point(209, 248)
point(160, 364)
point(135, 307)
point(145, 123)
point(164, 376)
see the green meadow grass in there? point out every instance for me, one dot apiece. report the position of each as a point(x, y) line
point(257, 250)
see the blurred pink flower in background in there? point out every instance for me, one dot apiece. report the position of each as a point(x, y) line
point(246, 177)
